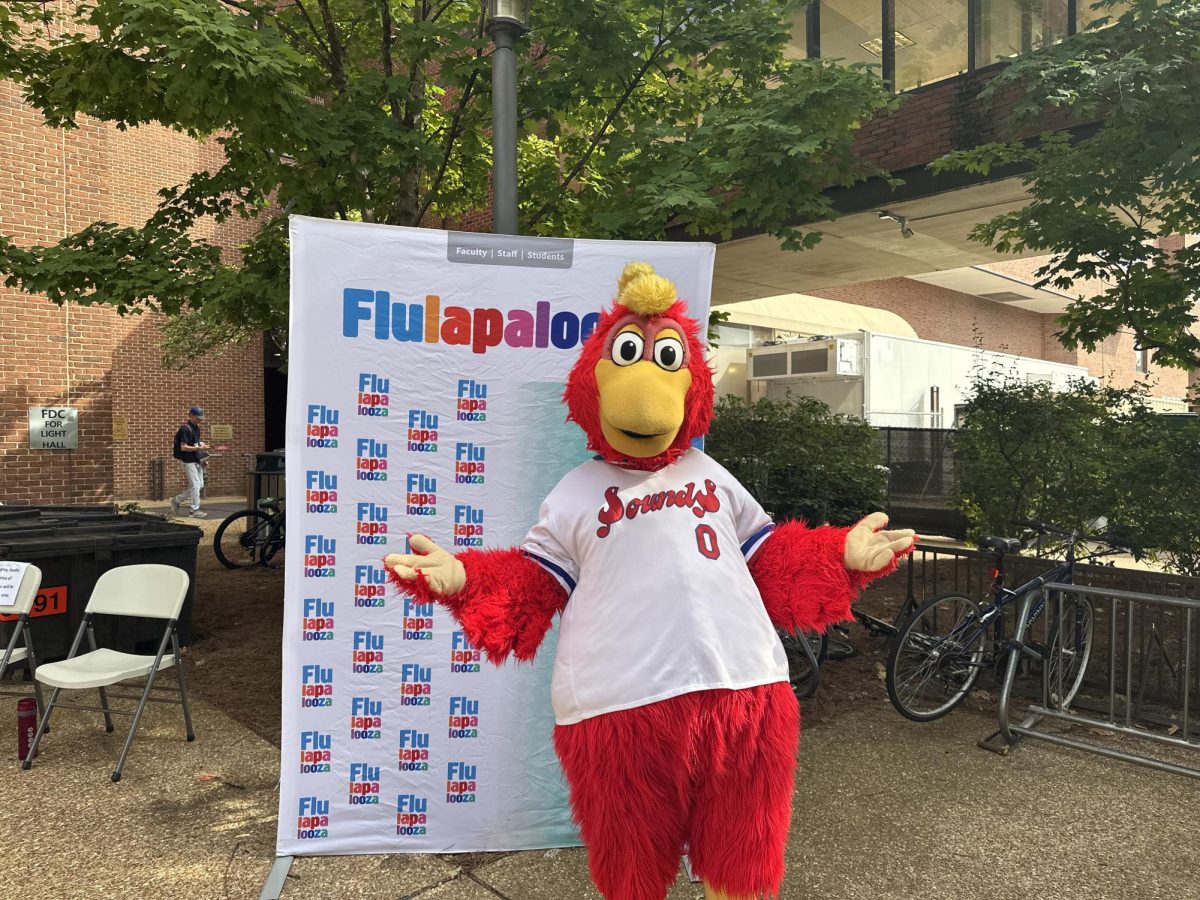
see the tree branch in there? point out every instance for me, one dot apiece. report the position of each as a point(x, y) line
point(448, 151)
point(312, 26)
point(337, 53)
point(602, 131)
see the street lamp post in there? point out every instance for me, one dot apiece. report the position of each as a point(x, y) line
point(506, 23)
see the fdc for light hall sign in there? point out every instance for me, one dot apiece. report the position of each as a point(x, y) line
point(424, 396)
point(53, 428)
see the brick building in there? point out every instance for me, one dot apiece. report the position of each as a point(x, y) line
point(53, 183)
point(918, 262)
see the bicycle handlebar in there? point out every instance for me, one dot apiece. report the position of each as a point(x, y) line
point(1114, 536)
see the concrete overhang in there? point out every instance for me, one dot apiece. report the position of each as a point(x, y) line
point(816, 316)
point(864, 247)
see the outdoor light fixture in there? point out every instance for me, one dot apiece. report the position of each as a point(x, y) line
point(507, 21)
point(514, 10)
point(902, 221)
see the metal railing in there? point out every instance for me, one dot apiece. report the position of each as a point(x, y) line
point(1142, 633)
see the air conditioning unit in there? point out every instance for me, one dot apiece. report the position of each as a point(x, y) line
point(824, 358)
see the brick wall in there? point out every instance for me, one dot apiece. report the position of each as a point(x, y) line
point(54, 183)
point(940, 314)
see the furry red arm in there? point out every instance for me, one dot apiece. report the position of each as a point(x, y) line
point(803, 579)
point(507, 605)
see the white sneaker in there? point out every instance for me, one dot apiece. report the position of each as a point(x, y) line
point(174, 507)
point(199, 514)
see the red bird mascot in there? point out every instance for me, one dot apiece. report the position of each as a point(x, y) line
point(675, 723)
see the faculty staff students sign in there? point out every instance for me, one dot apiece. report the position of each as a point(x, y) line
point(425, 384)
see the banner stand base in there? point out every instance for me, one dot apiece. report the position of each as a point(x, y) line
point(276, 878)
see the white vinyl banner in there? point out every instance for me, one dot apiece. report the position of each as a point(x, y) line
point(426, 371)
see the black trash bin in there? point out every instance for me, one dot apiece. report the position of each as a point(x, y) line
point(74, 553)
point(266, 479)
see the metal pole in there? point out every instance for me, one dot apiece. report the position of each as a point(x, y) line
point(504, 33)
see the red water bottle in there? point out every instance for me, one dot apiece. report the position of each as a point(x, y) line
point(26, 725)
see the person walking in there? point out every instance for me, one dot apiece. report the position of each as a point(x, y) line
point(191, 451)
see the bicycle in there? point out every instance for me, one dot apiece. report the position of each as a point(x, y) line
point(251, 536)
point(808, 651)
point(941, 648)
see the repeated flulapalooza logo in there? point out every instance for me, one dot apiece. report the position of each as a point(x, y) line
point(320, 492)
point(371, 523)
point(463, 721)
point(471, 403)
point(317, 623)
point(422, 431)
point(316, 752)
point(412, 815)
point(373, 396)
point(414, 750)
point(371, 462)
point(420, 495)
point(312, 820)
point(461, 780)
point(321, 430)
point(465, 658)
point(370, 587)
point(366, 719)
point(320, 556)
point(364, 784)
point(470, 461)
point(316, 685)
point(416, 684)
point(367, 658)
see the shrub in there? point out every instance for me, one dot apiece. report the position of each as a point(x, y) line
point(1027, 451)
point(799, 460)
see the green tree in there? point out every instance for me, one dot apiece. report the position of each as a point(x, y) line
point(1028, 451)
point(1124, 173)
point(799, 460)
point(637, 116)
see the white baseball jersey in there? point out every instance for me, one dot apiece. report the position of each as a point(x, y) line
point(661, 600)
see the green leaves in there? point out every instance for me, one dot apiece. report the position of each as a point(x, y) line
point(1101, 194)
point(1026, 451)
point(799, 460)
point(638, 115)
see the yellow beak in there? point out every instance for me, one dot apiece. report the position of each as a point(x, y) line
point(641, 406)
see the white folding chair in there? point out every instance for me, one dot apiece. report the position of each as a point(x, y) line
point(143, 591)
point(31, 582)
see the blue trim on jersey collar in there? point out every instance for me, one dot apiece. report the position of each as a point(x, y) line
point(554, 569)
point(756, 537)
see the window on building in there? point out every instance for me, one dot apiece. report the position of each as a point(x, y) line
point(931, 42)
point(1141, 359)
point(1007, 28)
point(1089, 17)
point(851, 30)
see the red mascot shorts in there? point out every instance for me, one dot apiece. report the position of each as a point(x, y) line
point(712, 770)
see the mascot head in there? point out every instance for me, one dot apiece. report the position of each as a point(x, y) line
point(641, 389)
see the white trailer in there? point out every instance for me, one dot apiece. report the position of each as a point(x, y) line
point(885, 379)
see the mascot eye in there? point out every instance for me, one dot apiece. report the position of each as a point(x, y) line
point(668, 353)
point(627, 348)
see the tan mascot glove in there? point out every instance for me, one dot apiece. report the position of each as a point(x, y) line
point(444, 574)
point(869, 549)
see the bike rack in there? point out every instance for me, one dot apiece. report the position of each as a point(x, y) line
point(1119, 713)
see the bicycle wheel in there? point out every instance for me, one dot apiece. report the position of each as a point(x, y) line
point(272, 551)
point(1069, 625)
point(936, 657)
point(803, 677)
point(240, 538)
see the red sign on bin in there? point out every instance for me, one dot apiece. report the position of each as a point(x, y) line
point(51, 601)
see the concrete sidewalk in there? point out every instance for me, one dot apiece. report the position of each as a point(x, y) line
point(885, 809)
